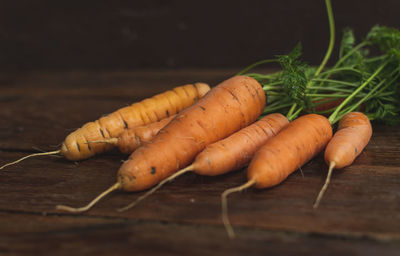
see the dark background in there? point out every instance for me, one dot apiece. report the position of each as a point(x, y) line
point(172, 34)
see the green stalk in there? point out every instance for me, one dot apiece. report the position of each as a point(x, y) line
point(332, 37)
point(370, 94)
point(290, 113)
point(388, 99)
point(260, 77)
point(327, 54)
point(376, 58)
point(335, 70)
point(327, 95)
point(271, 109)
point(255, 65)
point(348, 54)
point(331, 89)
point(386, 94)
point(276, 93)
point(295, 114)
point(351, 96)
point(326, 80)
point(356, 105)
point(272, 86)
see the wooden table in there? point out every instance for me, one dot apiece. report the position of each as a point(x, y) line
point(360, 213)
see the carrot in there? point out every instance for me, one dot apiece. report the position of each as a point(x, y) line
point(231, 153)
point(144, 112)
point(325, 106)
point(130, 139)
point(236, 151)
point(75, 146)
point(353, 134)
point(281, 155)
point(228, 107)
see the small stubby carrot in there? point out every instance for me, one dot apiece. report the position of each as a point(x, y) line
point(352, 136)
point(281, 155)
point(228, 107)
point(229, 154)
point(130, 139)
point(75, 146)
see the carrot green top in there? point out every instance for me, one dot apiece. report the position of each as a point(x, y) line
point(357, 80)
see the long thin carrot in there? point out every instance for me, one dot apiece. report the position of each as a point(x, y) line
point(75, 146)
point(353, 134)
point(229, 154)
point(130, 139)
point(281, 155)
point(147, 111)
point(227, 108)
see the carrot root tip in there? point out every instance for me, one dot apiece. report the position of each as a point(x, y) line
point(224, 206)
point(114, 187)
point(323, 189)
point(151, 191)
point(31, 155)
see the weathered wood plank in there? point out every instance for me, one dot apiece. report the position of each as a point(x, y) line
point(354, 204)
point(46, 122)
point(40, 109)
point(62, 235)
point(360, 212)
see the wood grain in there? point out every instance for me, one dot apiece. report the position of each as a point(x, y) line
point(360, 213)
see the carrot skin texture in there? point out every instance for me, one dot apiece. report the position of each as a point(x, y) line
point(353, 134)
point(75, 146)
point(290, 149)
point(236, 151)
point(228, 107)
point(131, 139)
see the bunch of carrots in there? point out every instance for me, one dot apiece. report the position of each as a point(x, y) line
point(277, 122)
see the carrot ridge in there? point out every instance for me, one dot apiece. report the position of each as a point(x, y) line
point(112, 141)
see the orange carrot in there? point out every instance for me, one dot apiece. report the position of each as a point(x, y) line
point(229, 154)
point(228, 107)
point(281, 155)
point(130, 139)
point(289, 150)
point(75, 146)
point(147, 111)
point(353, 134)
point(236, 151)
